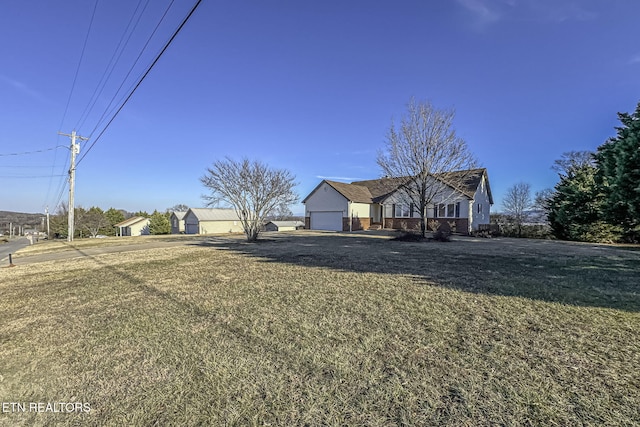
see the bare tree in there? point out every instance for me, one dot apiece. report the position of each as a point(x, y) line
point(426, 151)
point(92, 220)
point(282, 212)
point(180, 207)
point(251, 188)
point(572, 160)
point(516, 203)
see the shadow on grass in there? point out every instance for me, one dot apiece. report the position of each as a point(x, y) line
point(552, 271)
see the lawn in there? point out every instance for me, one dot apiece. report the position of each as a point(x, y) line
point(327, 329)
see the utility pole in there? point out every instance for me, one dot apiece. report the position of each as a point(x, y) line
point(47, 212)
point(75, 149)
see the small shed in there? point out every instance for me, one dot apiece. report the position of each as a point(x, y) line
point(283, 225)
point(211, 221)
point(136, 226)
point(177, 222)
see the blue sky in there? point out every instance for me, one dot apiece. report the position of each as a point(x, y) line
point(311, 86)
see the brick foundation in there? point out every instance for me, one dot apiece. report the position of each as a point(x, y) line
point(356, 225)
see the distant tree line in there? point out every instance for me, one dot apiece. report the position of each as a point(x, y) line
point(94, 221)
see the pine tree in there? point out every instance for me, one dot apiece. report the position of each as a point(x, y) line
point(618, 161)
point(159, 223)
point(575, 209)
point(114, 216)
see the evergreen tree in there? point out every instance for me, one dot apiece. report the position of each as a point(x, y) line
point(159, 223)
point(575, 209)
point(114, 216)
point(618, 177)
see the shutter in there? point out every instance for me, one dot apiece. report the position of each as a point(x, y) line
point(458, 210)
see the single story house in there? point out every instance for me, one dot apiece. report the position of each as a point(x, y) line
point(177, 222)
point(283, 225)
point(380, 203)
point(211, 221)
point(135, 226)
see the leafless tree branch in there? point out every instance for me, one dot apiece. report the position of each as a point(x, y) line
point(251, 188)
point(426, 150)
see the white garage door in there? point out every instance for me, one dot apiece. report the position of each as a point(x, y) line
point(326, 221)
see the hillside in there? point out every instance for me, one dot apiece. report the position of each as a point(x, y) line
point(26, 220)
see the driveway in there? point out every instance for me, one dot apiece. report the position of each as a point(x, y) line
point(12, 246)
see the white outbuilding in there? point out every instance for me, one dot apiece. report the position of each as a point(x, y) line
point(211, 221)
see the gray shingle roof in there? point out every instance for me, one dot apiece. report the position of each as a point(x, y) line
point(179, 214)
point(471, 180)
point(214, 214)
point(381, 188)
point(354, 193)
point(287, 223)
point(130, 221)
point(376, 190)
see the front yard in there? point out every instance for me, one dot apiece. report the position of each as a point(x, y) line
point(326, 329)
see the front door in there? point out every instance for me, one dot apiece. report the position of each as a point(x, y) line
point(377, 213)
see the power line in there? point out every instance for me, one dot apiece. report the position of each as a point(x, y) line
point(75, 77)
point(60, 193)
point(115, 58)
point(166, 46)
point(108, 109)
point(73, 85)
point(24, 153)
point(28, 176)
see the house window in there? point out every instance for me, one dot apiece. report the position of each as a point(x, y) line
point(403, 211)
point(451, 210)
point(479, 208)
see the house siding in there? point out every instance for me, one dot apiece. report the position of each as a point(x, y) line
point(360, 217)
point(194, 226)
point(360, 210)
point(481, 197)
point(220, 227)
point(177, 225)
point(139, 228)
point(326, 198)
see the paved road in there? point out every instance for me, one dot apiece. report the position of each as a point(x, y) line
point(12, 246)
point(19, 259)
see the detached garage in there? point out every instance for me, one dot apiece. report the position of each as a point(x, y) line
point(211, 221)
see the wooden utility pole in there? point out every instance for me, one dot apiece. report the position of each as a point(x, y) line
point(47, 211)
point(75, 149)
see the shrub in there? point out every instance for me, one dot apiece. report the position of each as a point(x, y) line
point(442, 236)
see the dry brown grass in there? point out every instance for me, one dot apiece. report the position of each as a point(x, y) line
point(52, 246)
point(324, 329)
